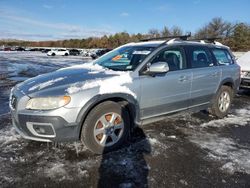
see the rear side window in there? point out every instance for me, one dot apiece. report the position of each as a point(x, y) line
point(222, 57)
point(199, 57)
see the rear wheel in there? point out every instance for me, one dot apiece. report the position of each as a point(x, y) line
point(105, 128)
point(53, 54)
point(222, 102)
point(66, 54)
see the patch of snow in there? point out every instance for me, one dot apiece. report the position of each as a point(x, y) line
point(115, 84)
point(153, 141)
point(86, 85)
point(162, 134)
point(172, 136)
point(147, 167)
point(8, 136)
point(90, 66)
point(220, 148)
point(8, 179)
point(184, 182)
point(231, 120)
point(16, 68)
point(241, 118)
point(56, 170)
point(46, 84)
point(229, 167)
point(83, 173)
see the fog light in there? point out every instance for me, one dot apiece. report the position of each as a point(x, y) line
point(39, 130)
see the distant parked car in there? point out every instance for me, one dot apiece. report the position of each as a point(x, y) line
point(19, 49)
point(244, 62)
point(99, 53)
point(85, 53)
point(74, 52)
point(7, 49)
point(46, 50)
point(55, 52)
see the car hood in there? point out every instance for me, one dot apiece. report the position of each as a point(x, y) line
point(62, 78)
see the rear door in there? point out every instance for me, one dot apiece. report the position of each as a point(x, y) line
point(170, 92)
point(206, 75)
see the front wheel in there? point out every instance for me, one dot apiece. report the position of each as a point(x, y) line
point(222, 102)
point(105, 128)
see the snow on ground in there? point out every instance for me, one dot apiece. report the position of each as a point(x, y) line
point(241, 118)
point(7, 136)
point(236, 156)
point(22, 65)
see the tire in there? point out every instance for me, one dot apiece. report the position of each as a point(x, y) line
point(222, 102)
point(66, 54)
point(53, 54)
point(94, 131)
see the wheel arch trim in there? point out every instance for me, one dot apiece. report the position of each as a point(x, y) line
point(94, 101)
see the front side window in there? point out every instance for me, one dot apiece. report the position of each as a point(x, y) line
point(199, 57)
point(173, 57)
point(125, 58)
point(222, 57)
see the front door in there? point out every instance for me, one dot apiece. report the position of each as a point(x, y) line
point(166, 93)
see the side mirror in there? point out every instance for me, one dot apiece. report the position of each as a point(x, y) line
point(157, 68)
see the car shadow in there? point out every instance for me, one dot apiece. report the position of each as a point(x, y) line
point(126, 167)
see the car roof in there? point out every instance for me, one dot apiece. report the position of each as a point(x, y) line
point(147, 43)
point(179, 42)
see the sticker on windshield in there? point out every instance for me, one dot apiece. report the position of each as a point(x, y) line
point(116, 58)
point(145, 52)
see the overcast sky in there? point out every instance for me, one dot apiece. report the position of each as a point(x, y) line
point(63, 19)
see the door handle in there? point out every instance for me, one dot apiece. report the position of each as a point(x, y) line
point(183, 78)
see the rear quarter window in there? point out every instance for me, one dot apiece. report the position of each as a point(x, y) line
point(222, 57)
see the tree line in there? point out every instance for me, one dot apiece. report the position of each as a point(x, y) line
point(234, 35)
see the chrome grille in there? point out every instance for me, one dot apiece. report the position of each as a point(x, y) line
point(248, 74)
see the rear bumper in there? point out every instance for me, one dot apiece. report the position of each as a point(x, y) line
point(45, 128)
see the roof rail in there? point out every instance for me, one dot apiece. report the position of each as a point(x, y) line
point(210, 39)
point(182, 37)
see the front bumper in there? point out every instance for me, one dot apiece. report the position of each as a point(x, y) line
point(45, 128)
point(57, 125)
point(245, 83)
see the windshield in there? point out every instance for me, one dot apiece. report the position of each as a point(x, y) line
point(125, 58)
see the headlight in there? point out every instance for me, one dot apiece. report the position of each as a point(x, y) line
point(47, 103)
point(243, 73)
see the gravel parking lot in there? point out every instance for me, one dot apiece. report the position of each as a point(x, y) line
point(188, 150)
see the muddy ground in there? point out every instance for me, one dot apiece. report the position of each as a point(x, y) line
point(190, 150)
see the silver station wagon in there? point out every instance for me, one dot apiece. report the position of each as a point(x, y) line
point(99, 103)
